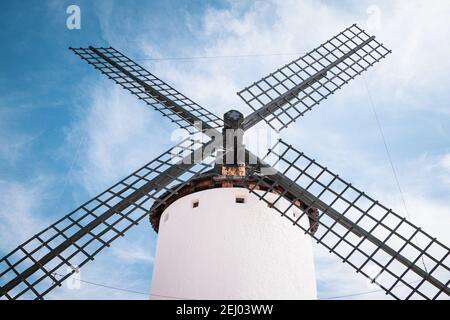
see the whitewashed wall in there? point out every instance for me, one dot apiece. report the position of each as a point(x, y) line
point(227, 250)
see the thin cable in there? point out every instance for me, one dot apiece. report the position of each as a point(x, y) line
point(380, 129)
point(122, 289)
point(351, 295)
point(366, 292)
point(66, 179)
point(69, 171)
point(217, 57)
point(111, 287)
point(250, 55)
point(178, 298)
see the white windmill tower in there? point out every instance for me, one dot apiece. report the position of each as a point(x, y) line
point(218, 241)
point(215, 238)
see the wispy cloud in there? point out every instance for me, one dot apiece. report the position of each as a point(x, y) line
point(13, 142)
point(19, 204)
point(135, 253)
point(117, 135)
point(445, 165)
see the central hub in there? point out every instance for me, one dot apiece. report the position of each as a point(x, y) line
point(233, 119)
point(233, 158)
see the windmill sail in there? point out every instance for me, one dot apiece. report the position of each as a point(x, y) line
point(288, 93)
point(40, 264)
point(147, 87)
point(392, 252)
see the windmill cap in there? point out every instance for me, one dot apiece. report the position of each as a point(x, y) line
point(233, 119)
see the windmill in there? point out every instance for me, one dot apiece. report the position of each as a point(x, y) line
point(208, 198)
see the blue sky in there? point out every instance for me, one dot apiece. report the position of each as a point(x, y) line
point(66, 133)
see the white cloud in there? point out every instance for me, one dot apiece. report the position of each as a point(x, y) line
point(18, 211)
point(107, 278)
point(445, 162)
point(136, 253)
point(127, 266)
point(117, 135)
point(336, 279)
point(12, 142)
point(137, 249)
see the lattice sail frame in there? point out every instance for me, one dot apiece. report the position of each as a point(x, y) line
point(349, 219)
point(288, 93)
point(149, 88)
point(156, 181)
